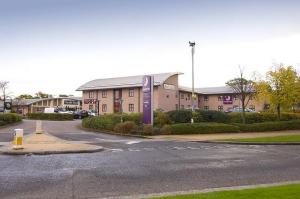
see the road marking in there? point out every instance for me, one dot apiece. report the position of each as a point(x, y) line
point(131, 149)
point(133, 142)
point(116, 150)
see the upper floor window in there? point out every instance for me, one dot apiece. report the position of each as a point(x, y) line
point(91, 94)
point(189, 97)
point(205, 97)
point(220, 98)
point(182, 96)
point(131, 92)
point(104, 94)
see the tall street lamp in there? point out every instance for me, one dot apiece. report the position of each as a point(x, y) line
point(192, 44)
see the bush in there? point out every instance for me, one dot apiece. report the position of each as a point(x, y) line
point(126, 127)
point(213, 116)
point(180, 116)
point(50, 116)
point(134, 117)
point(8, 118)
point(261, 117)
point(270, 126)
point(199, 128)
point(165, 130)
point(161, 118)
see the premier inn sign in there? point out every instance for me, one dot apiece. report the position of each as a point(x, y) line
point(148, 99)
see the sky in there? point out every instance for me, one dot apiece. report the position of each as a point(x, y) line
point(54, 46)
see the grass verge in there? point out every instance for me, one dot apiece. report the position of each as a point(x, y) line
point(277, 192)
point(275, 139)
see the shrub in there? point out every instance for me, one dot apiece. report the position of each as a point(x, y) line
point(199, 128)
point(213, 116)
point(148, 129)
point(261, 117)
point(134, 117)
point(106, 122)
point(8, 118)
point(180, 116)
point(50, 116)
point(161, 118)
point(270, 126)
point(126, 127)
point(165, 130)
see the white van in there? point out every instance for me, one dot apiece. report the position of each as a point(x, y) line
point(49, 110)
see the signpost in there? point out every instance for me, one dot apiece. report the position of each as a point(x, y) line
point(148, 99)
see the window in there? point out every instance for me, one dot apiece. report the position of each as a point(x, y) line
point(206, 108)
point(131, 92)
point(220, 98)
point(220, 108)
point(189, 106)
point(91, 94)
point(176, 96)
point(104, 94)
point(235, 97)
point(176, 106)
point(91, 107)
point(131, 108)
point(182, 106)
point(189, 97)
point(205, 97)
point(182, 96)
point(167, 96)
point(104, 107)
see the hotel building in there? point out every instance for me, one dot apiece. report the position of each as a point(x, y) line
point(124, 94)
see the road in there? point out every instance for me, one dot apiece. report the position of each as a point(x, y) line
point(131, 166)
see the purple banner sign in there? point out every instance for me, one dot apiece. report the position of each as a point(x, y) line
point(147, 99)
point(227, 99)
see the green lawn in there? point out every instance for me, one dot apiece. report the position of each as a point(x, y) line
point(278, 192)
point(284, 138)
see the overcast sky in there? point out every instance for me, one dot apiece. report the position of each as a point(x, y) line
point(54, 46)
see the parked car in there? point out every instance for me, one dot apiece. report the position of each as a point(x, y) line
point(239, 110)
point(91, 113)
point(80, 114)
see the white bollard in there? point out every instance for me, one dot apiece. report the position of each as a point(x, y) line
point(18, 139)
point(39, 127)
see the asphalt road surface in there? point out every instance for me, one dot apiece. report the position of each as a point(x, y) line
point(131, 166)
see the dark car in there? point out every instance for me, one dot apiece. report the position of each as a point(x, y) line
point(80, 114)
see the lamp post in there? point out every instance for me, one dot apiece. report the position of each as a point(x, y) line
point(121, 109)
point(192, 44)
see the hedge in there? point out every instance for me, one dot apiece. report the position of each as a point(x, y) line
point(199, 128)
point(261, 117)
point(270, 126)
point(8, 118)
point(50, 116)
point(109, 121)
point(184, 116)
point(213, 116)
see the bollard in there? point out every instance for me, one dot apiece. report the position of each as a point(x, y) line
point(39, 127)
point(18, 139)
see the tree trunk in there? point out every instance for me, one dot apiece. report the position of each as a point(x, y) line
point(243, 110)
point(278, 111)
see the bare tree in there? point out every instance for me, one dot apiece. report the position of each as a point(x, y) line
point(244, 90)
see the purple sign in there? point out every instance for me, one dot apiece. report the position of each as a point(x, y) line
point(147, 99)
point(227, 99)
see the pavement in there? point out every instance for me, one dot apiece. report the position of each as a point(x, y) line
point(48, 144)
point(224, 136)
point(131, 167)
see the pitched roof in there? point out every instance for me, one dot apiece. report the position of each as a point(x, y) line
point(124, 82)
point(26, 102)
point(215, 90)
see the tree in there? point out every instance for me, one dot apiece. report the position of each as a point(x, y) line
point(25, 96)
point(3, 88)
point(41, 95)
point(281, 88)
point(244, 90)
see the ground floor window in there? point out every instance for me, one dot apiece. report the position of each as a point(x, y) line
point(104, 108)
point(220, 108)
point(206, 107)
point(182, 107)
point(176, 106)
point(91, 107)
point(131, 108)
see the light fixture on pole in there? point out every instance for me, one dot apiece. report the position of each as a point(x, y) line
point(192, 44)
